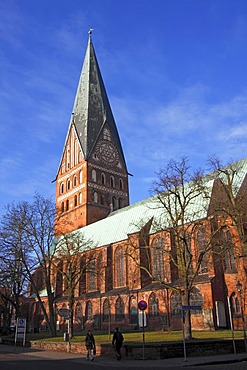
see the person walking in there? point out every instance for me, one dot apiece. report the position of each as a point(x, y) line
point(90, 346)
point(117, 342)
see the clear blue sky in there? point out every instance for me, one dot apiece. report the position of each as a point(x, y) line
point(174, 71)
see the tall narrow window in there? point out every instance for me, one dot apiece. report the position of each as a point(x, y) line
point(119, 267)
point(228, 255)
point(119, 309)
point(176, 303)
point(100, 275)
point(89, 311)
point(153, 305)
point(75, 200)
point(80, 176)
point(120, 184)
point(202, 245)
point(106, 310)
point(74, 181)
point(158, 259)
point(92, 275)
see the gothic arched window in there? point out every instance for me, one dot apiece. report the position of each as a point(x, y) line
point(103, 179)
point(89, 311)
point(120, 184)
point(106, 310)
point(119, 267)
point(92, 275)
point(176, 303)
point(99, 270)
point(158, 259)
point(228, 255)
point(119, 309)
point(202, 245)
point(112, 181)
point(153, 305)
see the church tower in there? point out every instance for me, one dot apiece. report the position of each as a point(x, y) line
point(92, 178)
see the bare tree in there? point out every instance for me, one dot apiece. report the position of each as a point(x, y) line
point(180, 212)
point(27, 235)
point(72, 266)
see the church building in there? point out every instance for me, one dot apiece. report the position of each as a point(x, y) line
point(127, 252)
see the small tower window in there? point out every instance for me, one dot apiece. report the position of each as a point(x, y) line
point(62, 207)
point(112, 182)
point(121, 184)
point(103, 179)
point(80, 198)
point(95, 197)
point(61, 188)
point(94, 177)
point(75, 200)
point(68, 184)
point(120, 203)
point(74, 181)
point(113, 203)
point(80, 175)
point(67, 205)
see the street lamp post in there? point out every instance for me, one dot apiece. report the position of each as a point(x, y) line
point(239, 289)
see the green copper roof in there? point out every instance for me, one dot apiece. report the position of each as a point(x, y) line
point(119, 224)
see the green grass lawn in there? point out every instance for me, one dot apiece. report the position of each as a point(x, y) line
point(137, 337)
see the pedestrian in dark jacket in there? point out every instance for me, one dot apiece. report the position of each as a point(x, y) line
point(117, 342)
point(90, 345)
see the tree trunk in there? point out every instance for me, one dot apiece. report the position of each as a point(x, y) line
point(187, 318)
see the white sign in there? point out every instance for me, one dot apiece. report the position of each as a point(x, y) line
point(20, 332)
point(142, 319)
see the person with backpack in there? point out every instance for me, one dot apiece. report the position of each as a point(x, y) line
point(90, 346)
point(117, 342)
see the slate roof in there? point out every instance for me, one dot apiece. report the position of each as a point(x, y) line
point(91, 107)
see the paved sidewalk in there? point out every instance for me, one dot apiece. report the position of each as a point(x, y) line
point(110, 361)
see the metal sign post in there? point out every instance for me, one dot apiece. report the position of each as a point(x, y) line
point(20, 332)
point(142, 305)
point(184, 310)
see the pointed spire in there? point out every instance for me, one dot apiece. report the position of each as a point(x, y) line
point(91, 107)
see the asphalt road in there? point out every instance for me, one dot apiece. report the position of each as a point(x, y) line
point(12, 358)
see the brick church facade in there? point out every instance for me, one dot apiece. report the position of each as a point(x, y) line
point(92, 199)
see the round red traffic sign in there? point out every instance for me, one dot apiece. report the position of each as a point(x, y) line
point(142, 305)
